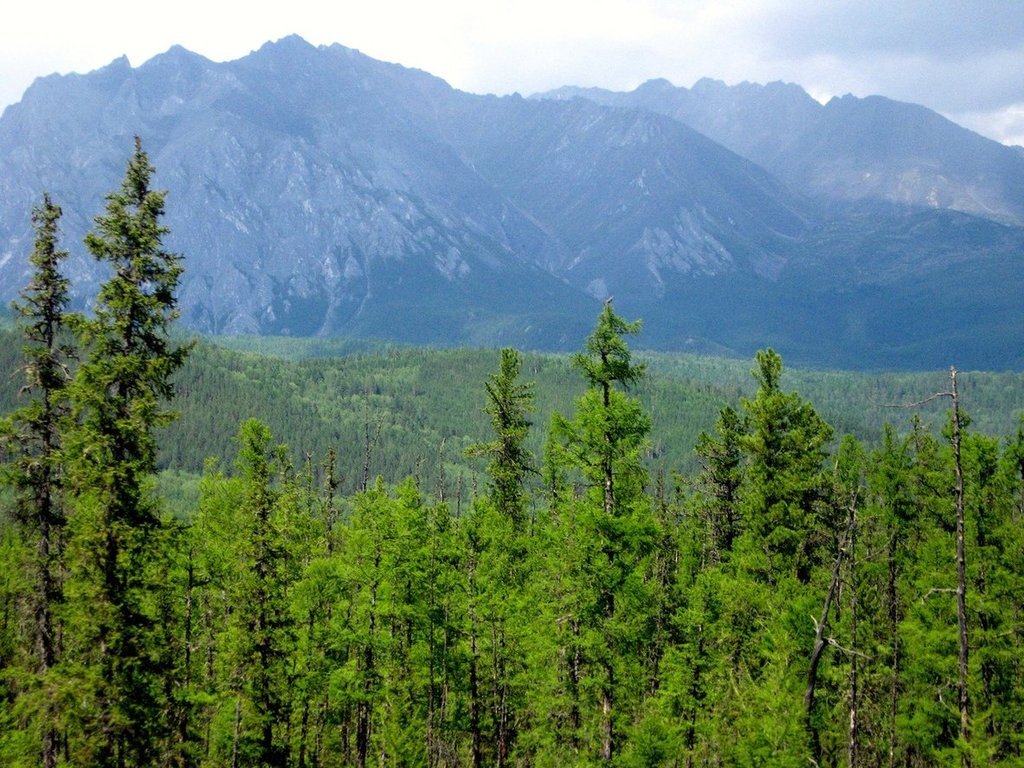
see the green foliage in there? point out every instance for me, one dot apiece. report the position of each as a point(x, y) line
point(722, 469)
point(774, 597)
point(861, 403)
point(34, 433)
point(117, 400)
point(509, 402)
point(783, 501)
point(248, 516)
point(609, 602)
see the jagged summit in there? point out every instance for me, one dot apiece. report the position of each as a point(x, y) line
point(863, 149)
point(315, 190)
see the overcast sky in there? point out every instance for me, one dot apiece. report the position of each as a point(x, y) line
point(963, 58)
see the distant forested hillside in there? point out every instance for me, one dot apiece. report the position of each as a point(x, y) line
point(419, 404)
point(416, 406)
point(855, 402)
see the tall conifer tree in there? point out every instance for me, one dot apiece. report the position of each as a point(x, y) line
point(605, 442)
point(509, 403)
point(265, 633)
point(118, 400)
point(785, 496)
point(496, 571)
point(37, 433)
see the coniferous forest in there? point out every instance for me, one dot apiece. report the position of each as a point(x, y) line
point(792, 597)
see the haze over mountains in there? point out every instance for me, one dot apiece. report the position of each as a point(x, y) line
point(848, 149)
point(318, 191)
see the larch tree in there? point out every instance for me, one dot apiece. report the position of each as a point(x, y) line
point(496, 570)
point(605, 442)
point(265, 632)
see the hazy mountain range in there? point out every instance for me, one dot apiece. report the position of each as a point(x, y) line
point(318, 191)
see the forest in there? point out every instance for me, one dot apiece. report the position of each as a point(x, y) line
point(565, 589)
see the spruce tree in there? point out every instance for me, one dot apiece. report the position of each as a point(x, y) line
point(784, 498)
point(118, 397)
point(721, 459)
point(36, 432)
point(509, 404)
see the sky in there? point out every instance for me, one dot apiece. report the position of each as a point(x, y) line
point(962, 58)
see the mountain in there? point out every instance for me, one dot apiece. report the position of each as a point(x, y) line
point(317, 191)
point(306, 194)
point(634, 201)
point(850, 149)
point(754, 121)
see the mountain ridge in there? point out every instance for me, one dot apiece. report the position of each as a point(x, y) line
point(317, 191)
point(843, 150)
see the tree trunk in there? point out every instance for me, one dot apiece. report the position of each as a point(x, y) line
point(474, 678)
point(237, 733)
point(364, 709)
point(607, 744)
point(853, 742)
point(303, 732)
point(502, 724)
point(894, 646)
point(961, 577)
point(816, 653)
point(184, 720)
point(48, 595)
point(574, 686)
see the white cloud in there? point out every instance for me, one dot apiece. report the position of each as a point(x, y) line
point(1006, 123)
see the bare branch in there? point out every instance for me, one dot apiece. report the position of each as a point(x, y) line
point(848, 651)
point(917, 404)
point(933, 590)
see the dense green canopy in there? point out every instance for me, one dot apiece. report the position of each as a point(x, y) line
point(403, 587)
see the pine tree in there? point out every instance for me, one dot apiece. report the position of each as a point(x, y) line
point(117, 401)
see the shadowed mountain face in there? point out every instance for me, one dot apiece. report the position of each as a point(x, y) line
point(316, 191)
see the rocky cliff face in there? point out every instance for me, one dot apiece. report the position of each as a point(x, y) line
point(318, 191)
point(306, 191)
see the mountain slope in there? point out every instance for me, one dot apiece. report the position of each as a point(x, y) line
point(878, 149)
point(849, 149)
point(306, 195)
point(636, 202)
point(316, 191)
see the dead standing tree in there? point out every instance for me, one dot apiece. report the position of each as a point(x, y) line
point(845, 550)
point(956, 430)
